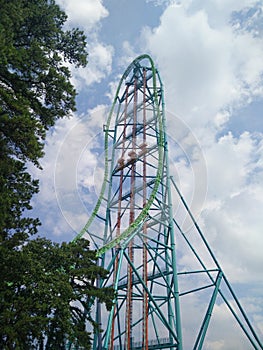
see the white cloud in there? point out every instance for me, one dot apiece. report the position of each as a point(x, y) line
point(129, 54)
point(99, 65)
point(204, 68)
point(218, 11)
point(233, 229)
point(71, 162)
point(86, 13)
point(224, 332)
point(76, 166)
point(230, 163)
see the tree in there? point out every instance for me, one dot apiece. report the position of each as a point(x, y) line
point(35, 90)
point(44, 291)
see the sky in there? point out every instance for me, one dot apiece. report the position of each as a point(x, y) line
point(209, 55)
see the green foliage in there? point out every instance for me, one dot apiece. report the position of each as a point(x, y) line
point(33, 74)
point(45, 288)
point(16, 190)
point(35, 90)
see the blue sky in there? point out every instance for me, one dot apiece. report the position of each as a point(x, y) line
point(209, 54)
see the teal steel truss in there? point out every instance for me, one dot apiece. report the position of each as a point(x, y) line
point(134, 229)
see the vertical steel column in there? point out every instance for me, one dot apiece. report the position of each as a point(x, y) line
point(145, 257)
point(110, 320)
point(172, 232)
point(121, 165)
point(132, 154)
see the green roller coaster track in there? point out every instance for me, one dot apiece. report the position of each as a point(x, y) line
point(130, 230)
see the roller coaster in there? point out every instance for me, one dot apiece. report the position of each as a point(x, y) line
point(136, 234)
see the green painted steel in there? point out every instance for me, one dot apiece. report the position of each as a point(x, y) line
point(120, 243)
point(108, 331)
point(203, 330)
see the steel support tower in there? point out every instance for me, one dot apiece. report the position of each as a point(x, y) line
point(135, 232)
